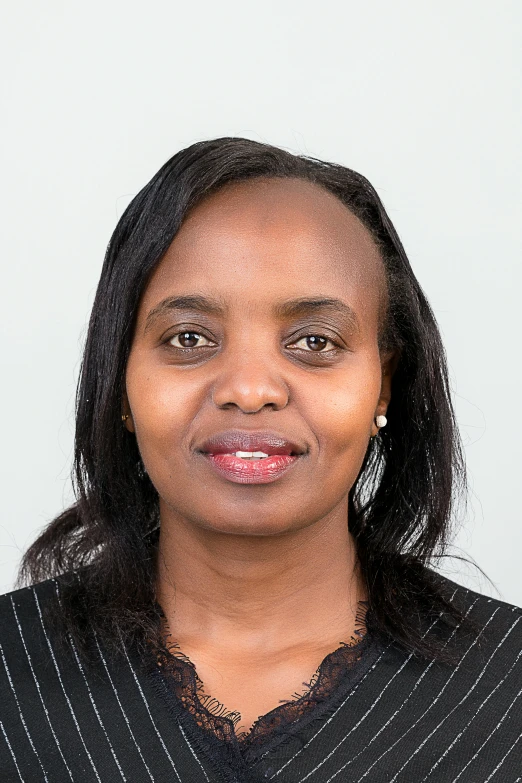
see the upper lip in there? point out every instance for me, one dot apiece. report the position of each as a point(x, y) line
point(240, 440)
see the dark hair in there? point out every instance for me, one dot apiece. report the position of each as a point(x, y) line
point(401, 506)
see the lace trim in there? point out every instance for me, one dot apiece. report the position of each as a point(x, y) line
point(212, 716)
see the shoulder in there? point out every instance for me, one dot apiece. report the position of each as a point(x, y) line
point(28, 603)
point(23, 604)
point(492, 643)
point(483, 607)
point(29, 623)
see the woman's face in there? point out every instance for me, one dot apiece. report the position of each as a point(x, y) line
point(258, 332)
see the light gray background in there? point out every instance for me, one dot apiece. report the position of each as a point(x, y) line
point(422, 98)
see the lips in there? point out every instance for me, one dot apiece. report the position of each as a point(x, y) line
point(251, 457)
point(237, 440)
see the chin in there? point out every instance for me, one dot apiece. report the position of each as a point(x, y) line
point(245, 528)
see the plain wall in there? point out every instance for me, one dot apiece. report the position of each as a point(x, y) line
point(422, 98)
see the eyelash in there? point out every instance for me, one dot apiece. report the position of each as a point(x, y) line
point(303, 337)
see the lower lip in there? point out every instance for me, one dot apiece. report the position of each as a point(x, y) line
point(251, 471)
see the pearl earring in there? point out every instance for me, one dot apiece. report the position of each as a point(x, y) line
point(381, 421)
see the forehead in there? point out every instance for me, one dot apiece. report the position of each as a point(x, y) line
point(260, 241)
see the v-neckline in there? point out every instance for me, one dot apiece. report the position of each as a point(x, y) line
point(214, 718)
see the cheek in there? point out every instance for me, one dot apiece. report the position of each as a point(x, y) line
point(343, 412)
point(162, 409)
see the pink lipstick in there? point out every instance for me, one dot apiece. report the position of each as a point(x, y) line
point(251, 457)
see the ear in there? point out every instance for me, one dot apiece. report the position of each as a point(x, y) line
point(389, 364)
point(126, 411)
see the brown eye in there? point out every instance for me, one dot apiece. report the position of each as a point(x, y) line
point(188, 340)
point(313, 342)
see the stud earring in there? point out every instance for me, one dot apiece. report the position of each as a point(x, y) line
point(381, 421)
point(124, 416)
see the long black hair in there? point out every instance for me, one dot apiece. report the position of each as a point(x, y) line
point(401, 508)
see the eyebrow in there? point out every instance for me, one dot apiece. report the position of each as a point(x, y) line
point(292, 308)
point(201, 304)
point(304, 306)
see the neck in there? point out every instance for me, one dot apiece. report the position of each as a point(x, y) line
point(251, 592)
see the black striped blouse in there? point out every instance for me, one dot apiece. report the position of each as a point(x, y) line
point(392, 716)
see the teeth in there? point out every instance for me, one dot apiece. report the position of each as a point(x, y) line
point(251, 454)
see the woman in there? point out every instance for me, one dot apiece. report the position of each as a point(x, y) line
point(266, 463)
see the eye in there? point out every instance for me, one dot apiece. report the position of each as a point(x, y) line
point(189, 340)
point(314, 342)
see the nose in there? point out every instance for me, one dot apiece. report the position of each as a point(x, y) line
point(250, 384)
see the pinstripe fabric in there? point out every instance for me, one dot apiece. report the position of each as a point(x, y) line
point(24, 724)
point(109, 678)
point(396, 718)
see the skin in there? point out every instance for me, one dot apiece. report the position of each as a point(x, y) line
point(260, 582)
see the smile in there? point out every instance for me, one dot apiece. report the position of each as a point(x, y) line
point(247, 457)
